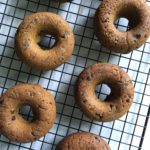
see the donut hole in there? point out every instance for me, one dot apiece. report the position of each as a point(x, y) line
point(46, 41)
point(26, 112)
point(103, 91)
point(122, 24)
point(128, 17)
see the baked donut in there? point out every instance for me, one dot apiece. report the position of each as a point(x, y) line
point(28, 36)
point(82, 141)
point(116, 104)
point(138, 14)
point(42, 103)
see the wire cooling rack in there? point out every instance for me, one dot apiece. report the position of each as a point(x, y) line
point(126, 133)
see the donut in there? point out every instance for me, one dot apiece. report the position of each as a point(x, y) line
point(138, 14)
point(29, 34)
point(12, 124)
point(116, 104)
point(82, 141)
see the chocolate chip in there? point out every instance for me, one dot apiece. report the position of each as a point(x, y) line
point(92, 75)
point(26, 43)
point(32, 94)
point(13, 118)
point(1, 100)
point(145, 36)
point(138, 36)
point(66, 35)
point(127, 98)
point(99, 115)
point(13, 95)
point(62, 49)
point(35, 133)
point(12, 111)
point(97, 138)
point(35, 139)
point(34, 21)
point(111, 106)
point(82, 78)
point(84, 101)
point(88, 78)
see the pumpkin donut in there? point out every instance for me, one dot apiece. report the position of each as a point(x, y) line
point(138, 14)
point(82, 141)
point(42, 103)
point(28, 36)
point(116, 104)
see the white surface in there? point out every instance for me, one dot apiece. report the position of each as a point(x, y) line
point(122, 134)
point(147, 137)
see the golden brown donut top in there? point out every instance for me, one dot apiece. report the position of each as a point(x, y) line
point(116, 104)
point(28, 36)
point(138, 14)
point(83, 141)
point(42, 103)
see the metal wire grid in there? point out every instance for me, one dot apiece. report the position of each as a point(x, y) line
point(123, 134)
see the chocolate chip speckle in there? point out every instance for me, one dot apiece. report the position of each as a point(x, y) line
point(145, 36)
point(62, 49)
point(111, 106)
point(66, 35)
point(26, 43)
point(88, 78)
point(13, 118)
point(138, 36)
point(31, 94)
point(99, 115)
point(1, 100)
point(12, 111)
point(84, 101)
point(14, 95)
point(127, 98)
